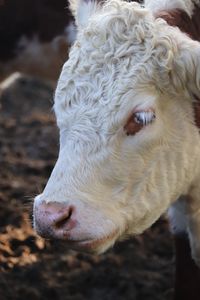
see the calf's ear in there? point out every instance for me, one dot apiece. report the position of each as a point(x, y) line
point(186, 73)
point(82, 10)
point(186, 69)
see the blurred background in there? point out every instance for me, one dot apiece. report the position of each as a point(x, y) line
point(35, 37)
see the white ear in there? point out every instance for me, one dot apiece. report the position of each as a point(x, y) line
point(82, 10)
point(186, 71)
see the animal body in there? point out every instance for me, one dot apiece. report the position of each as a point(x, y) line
point(41, 20)
point(127, 106)
point(34, 36)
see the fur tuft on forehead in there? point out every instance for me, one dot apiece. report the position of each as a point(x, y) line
point(106, 50)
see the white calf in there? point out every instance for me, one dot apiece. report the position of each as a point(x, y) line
point(129, 144)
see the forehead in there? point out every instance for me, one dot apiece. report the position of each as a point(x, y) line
point(101, 73)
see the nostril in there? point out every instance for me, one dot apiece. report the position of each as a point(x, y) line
point(55, 219)
point(63, 220)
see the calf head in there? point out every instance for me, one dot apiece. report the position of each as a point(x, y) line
point(124, 107)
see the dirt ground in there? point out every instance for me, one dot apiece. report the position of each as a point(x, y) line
point(31, 268)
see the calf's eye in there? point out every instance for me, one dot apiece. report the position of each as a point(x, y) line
point(138, 120)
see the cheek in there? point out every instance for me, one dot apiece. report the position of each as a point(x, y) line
point(63, 139)
point(132, 160)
